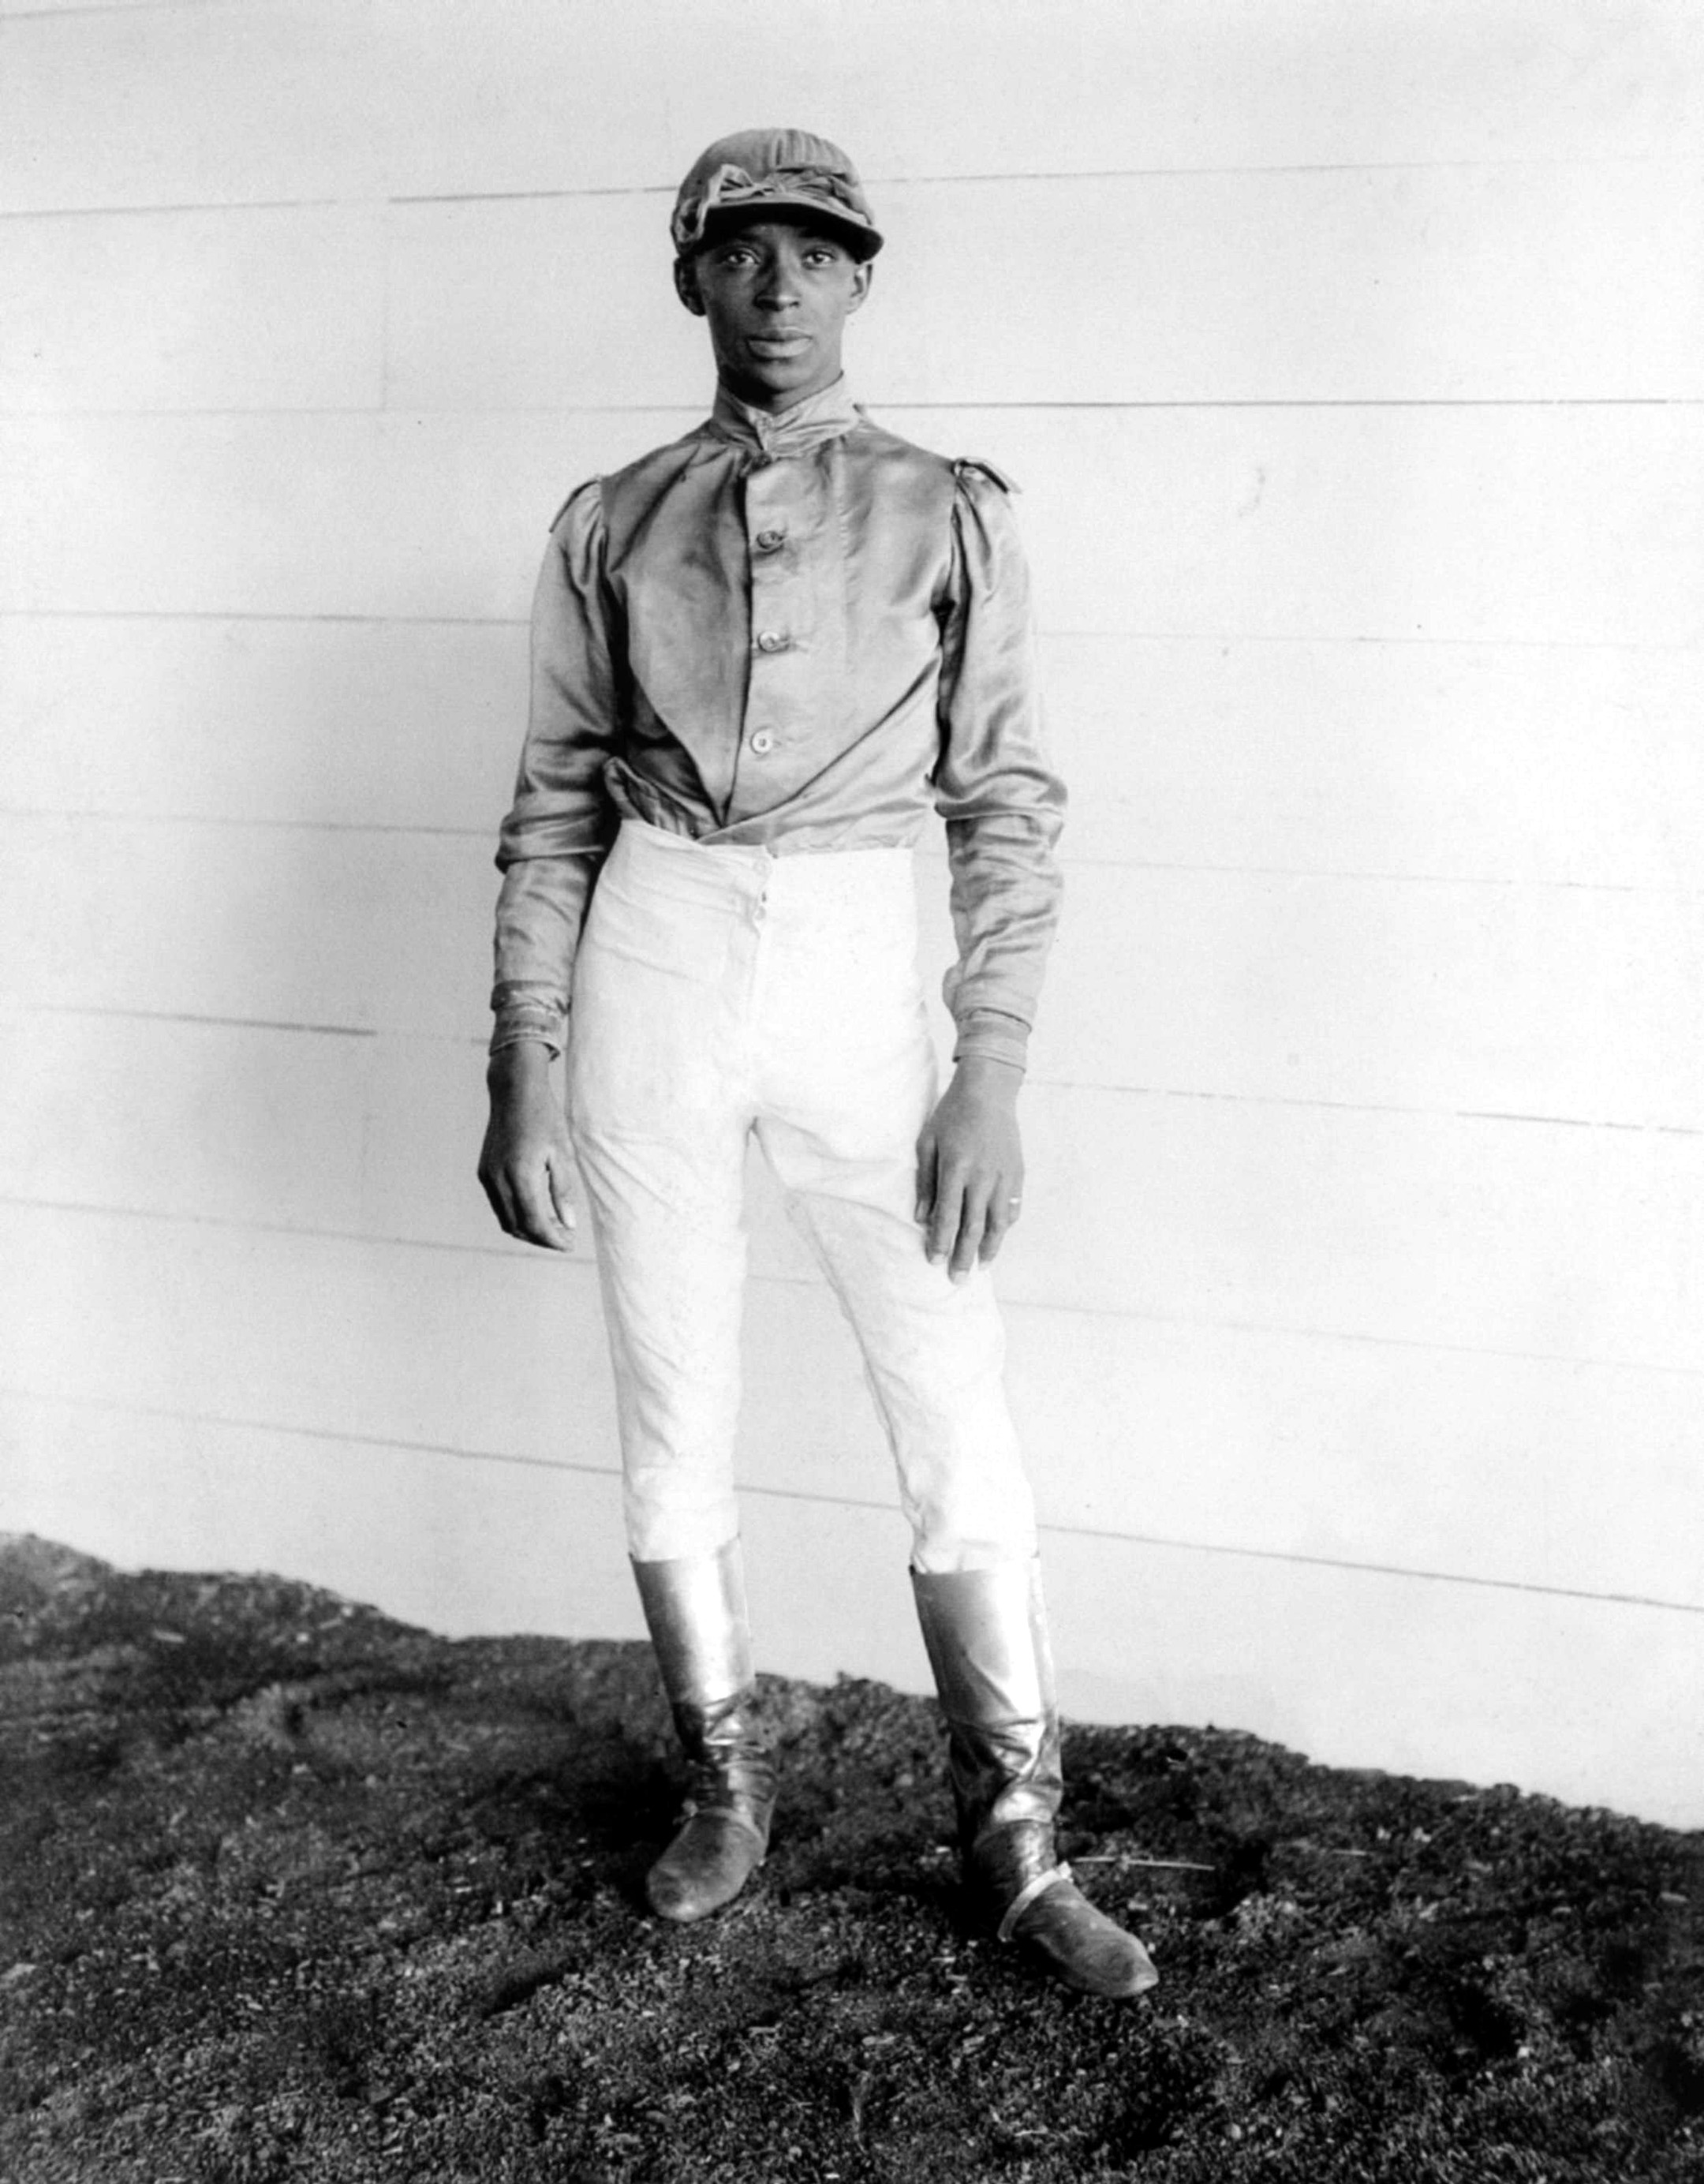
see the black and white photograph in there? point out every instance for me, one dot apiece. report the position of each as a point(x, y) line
point(852, 1091)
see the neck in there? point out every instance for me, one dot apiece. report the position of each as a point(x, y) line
point(766, 399)
point(805, 422)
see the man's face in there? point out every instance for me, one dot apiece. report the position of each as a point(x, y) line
point(777, 294)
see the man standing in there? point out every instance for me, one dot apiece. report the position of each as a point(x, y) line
point(760, 657)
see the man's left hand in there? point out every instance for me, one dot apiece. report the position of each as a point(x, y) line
point(969, 1166)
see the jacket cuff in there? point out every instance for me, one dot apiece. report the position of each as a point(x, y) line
point(515, 1023)
point(991, 1035)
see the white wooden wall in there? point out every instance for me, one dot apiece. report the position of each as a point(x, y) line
point(1350, 358)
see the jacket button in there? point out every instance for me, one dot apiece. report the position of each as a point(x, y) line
point(772, 641)
point(763, 743)
point(768, 541)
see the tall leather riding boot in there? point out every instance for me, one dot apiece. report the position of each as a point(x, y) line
point(696, 1613)
point(986, 1633)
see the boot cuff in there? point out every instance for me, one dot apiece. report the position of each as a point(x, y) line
point(696, 1613)
point(986, 1635)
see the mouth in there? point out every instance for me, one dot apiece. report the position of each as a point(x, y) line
point(778, 345)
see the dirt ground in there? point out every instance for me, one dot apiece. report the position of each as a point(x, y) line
point(290, 1891)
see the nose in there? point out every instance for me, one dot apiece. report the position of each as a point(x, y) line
point(778, 290)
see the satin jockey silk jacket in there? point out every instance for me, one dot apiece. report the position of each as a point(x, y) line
point(800, 633)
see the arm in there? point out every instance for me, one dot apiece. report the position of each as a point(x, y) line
point(551, 843)
point(1003, 807)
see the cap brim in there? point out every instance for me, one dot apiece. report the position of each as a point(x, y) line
point(862, 241)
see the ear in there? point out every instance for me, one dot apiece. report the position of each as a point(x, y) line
point(687, 286)
point(862, 279)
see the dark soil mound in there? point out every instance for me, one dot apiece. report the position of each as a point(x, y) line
point(288, 1890)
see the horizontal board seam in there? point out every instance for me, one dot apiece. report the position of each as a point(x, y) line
point(184, 1017)
point(1377, 1569)
point(236, 822)
point(1049, 634)
point(239, 615)
point(1022, 176)
point(476, 1041)
point(1347, 1563)
point(120, 1407)
point(580, 1262)
point(384, 409)
point(167, 210)
point(378, 201)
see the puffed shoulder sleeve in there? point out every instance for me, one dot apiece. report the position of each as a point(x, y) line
point(561, 822)
point(1002, 801)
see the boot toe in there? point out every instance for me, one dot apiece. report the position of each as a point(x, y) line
point(704, 1868)
point(1082, 1947)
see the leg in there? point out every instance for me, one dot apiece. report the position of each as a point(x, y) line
point(840, 1127)
point(841, 1134)
point(695, 1611)
point(671, 1253)
point(978, 1584)
point(986, 1633)
point(661, 1119)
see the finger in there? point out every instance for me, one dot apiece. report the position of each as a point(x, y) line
point(972, 1227)
point(1003, 1208)
point(502, 1199)
point(494, 1198)
point(946, 1214)
point(926, 1176)
point(562, 1195)
point(535, 1215)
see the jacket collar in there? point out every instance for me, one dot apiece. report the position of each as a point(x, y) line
point(828, 416)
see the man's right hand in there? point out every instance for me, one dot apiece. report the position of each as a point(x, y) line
point(526, 1164)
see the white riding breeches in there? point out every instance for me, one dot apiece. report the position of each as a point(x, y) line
point(723, 991)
